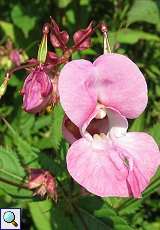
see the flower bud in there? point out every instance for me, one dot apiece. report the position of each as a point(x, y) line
point(15, 57)
point(37, 91)
point(82, 38)
point(43, 183)
point(58, 38)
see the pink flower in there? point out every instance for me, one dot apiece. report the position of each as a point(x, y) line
point(43, 182)
point(112, 163)
point(37, 91)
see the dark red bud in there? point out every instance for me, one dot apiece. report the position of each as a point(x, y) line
point(82, 38)
point(46, 28)
point(52, 58)
point(61, 42)
point(58, 38)
point(103, 27)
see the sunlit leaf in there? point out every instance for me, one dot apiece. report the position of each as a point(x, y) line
point(155, 132)
point(143, 11)
point(41, 214)
point(8, 29)
point(23, 21)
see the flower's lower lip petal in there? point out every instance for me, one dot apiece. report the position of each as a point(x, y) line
point(102, 171)
point(146, 158)
point(94, 170)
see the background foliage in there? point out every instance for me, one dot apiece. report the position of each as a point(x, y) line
point(37, 141)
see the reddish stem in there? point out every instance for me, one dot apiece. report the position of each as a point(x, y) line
point(26, 65)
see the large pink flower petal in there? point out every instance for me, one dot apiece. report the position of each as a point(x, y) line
point(77, 92)
point(120, 84)
point(114, 167)
point(93, 169)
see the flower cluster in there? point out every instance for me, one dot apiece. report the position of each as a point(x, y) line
point(40, 86)
point(97, 99)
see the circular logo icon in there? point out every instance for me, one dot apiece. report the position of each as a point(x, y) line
point(9, 217)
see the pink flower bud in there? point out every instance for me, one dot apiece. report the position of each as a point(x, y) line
point(43, 183)
point(37, 91)
point(15, 57)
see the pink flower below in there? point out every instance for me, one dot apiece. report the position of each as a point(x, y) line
point(116, 163)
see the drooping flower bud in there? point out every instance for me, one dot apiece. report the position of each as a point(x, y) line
point(37, 91)
point(43, 182)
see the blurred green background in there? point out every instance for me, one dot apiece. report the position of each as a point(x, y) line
point(36, 141)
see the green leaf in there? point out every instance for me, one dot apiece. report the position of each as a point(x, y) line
point(98, 215)
point(131, 209)
point(56, 128)
point(90, 221)
point(10, 164)
point(70, 14)
point(155, 132)
point(143, 11)
point(63, 3)
point(138, 124)
point(26, 122)
point(24, 22)
point(11, 170)
point(42, 122)
point(27, 154)
point(41, 214)
point(8, 29)
point(61, 220)
point(153, 225)
point(129, 36)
